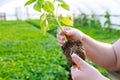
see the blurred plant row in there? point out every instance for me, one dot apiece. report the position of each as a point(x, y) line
point(94, 21)
point(27, 55)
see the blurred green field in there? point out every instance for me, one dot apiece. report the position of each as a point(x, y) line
point(101, 34)
point(25, 54)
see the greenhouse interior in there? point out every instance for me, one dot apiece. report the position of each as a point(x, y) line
point(29, 44)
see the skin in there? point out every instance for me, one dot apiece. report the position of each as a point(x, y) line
point(83, 71)
point(100, 53)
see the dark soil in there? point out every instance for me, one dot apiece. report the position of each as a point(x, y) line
point(71, 47)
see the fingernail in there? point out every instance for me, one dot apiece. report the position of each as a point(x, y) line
point(67, 31)
point(73, 55)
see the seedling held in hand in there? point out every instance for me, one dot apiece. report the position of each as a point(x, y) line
point(48, 7)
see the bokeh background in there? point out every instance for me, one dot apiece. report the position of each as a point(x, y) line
point(26, 54)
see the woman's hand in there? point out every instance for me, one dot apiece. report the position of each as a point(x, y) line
point(84, 71)
point(71, 34)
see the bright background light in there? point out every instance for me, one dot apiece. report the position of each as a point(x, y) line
point(98, 7)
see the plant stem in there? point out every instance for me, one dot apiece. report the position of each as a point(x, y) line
point(58, 22)
point(60, 26)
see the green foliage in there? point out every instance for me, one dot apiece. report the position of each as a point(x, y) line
point(29, 2)
point(81, 20)
point(48, 8)
point(27, 55)
point(87, 20)
point(67, 21)
point(34, 22)
point(107, 23)
point(38, 5)
point(53, 25)
point(43, 22)
point(100, 34)
point(65, 6)
point(60, 0)
point(94, 21)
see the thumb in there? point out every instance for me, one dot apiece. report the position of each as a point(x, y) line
point(78, 61)
point(67, 30)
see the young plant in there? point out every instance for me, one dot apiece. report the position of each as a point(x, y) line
point(49, 7)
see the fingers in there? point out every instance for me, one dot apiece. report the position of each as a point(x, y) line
point(68, 31)
point(65, 31)
point(78, 61)
point(75, 73)
point(74, 68)
point(60, 35)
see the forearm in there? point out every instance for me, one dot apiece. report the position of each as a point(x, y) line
point(100, 53)
point(116, 47)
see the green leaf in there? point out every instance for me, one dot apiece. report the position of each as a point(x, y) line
point(67, 21)
point(60, 0)
point(29, 2)
point(43, 24)
point(65, 6)
point(38, 5)
point(40, 1)
point(48, 7)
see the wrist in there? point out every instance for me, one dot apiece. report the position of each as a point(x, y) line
point(84, 37)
